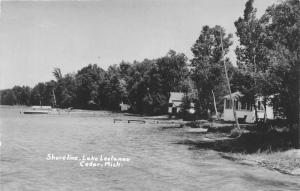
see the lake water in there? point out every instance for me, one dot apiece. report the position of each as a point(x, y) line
point(156, 162)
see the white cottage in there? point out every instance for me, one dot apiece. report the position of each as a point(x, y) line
point(124, 107)
point(244, 110)
point(175, 101)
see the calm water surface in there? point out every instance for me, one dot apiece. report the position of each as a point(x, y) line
point(157, 162)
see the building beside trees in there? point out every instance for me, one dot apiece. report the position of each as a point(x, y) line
point(245, 109)
point(267, 64)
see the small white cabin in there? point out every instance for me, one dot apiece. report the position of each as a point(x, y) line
point(245, 110)
point(124, 107)
point(175, 101)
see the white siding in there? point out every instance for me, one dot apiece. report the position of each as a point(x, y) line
point(241, 113)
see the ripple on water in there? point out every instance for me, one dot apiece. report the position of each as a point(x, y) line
point(160, 157)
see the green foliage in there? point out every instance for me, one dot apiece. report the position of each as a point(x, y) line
point(21, 94)
point(150, 82)
point(268, 56)
point(65, 91)
point(282, 23)
point(267, 60)
point(88, 81)
point(185, 105)
point(57, 73)
point(206, 68)
point(8, 97)
point(145, 86)
point(252, 57)
point(114, 89)
point(38, 94)
point(173, 71)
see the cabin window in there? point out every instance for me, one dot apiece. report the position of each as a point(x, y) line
point(249, 107)
point(243, 105)
point(260, 105)
point(236, 104)
point(228, 104)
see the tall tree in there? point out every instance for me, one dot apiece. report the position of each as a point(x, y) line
point(282, 23)
point(58, 76)
point(252, 53)
point(173, 71)
point(57, 73)
point(25, 95)
point(115, 86)
point(138, 85)
point(38, 94)
point(206, 66)
point(18, 90)
point(88, 81)
point(66, 91)
point(8, 97)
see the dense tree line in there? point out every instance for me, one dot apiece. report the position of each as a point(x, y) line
point(267, 60)
point(207, 70)
point(268, 56)
point(267, 65)
point(143, 85)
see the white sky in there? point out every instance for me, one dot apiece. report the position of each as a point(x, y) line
point(36, 36)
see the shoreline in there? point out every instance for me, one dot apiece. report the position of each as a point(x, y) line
point(285, 162)
point(216, 136)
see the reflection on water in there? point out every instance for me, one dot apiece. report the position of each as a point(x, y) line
point(157, 163)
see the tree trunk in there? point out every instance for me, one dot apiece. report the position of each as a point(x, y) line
point(228, 84)
point(254, 93)
point(54, 98)
point(265, 110)
point(215, 105)
point(255, 111)
point(298, 107)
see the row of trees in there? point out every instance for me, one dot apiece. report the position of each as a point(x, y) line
point(268, 55)
point(267, 64)
point(144, 85)
point(267, 60)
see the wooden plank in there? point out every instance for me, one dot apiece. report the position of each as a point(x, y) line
point(117, 120)
point(135, 120)
point(130, 120)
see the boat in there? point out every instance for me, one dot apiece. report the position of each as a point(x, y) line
point(38, 110)
point(35, 112)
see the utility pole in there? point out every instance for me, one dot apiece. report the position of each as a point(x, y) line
point(228, 84)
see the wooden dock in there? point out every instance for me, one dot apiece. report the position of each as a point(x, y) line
point(130, 120)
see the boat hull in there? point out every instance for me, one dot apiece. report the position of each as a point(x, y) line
point(35, 112)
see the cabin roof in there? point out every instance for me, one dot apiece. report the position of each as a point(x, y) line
point(235, 95)
point(176, 96)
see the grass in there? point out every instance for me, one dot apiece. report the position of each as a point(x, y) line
point(287, 162)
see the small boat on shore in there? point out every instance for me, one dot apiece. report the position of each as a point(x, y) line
point(35, 112)
point(38, 110)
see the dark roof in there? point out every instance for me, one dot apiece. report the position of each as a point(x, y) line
point(235, 95)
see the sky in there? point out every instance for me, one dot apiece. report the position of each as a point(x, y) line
point(37, 36)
